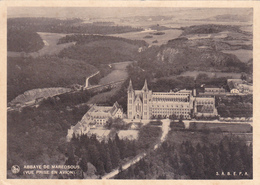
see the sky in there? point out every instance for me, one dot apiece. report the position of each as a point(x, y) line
point(105, 12)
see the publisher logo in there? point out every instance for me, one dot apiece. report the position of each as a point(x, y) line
point(15, 169)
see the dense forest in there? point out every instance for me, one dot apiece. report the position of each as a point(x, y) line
point(23, 41)
point(210, 28)
point(98, 50)
point(29, 73)
point(52, 25)
point(186, 161)
point(46, 126)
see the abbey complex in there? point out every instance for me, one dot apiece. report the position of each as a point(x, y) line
point(145, 104)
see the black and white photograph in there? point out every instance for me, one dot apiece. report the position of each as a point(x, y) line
point(157, 93)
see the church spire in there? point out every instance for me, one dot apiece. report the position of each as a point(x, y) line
point(130, 87)
point(145, 88)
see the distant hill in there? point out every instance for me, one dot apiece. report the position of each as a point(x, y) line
point(98, 50)
point(53, 25)
point(23, 41)
point(209, 28)
point(232, 18)
point(31, 73)
point(180, 55)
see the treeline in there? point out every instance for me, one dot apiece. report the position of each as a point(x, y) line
point(84, 39)
point(185, 161)
point(23, 41)
point(53, 25)
point(105, 156)
point(209, 28)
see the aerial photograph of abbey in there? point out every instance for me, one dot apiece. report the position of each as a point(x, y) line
point(129, 93)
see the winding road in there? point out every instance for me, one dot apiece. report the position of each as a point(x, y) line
point(165, 130)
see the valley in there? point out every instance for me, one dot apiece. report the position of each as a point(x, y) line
point(171, 51)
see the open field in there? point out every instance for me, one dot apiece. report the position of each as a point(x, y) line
point(242, 54)
point(211, 74)
point(162, 39)
point(50, 45)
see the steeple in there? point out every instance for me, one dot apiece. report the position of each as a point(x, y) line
point(145, 87)
point(130, 87)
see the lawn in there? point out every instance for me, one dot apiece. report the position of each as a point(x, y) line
point(234, 128)
point(129, 134)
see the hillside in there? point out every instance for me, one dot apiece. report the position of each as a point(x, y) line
point(23, 41)
point(209, 28)
point(31, 73)
point(98, 50)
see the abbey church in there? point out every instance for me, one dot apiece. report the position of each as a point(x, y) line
point(145, 104)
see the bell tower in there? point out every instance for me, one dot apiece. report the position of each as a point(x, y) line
point(130, 100)
point(146, 99)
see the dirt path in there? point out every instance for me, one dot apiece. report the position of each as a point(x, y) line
point(165, 130)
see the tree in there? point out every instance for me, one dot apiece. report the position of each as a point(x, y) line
point(108, 164)
point(115, 157)
point(199, 166)
point(100, 168)
point(84, 164)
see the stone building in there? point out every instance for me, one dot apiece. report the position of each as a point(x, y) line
point(96, 115)
point(145, 104)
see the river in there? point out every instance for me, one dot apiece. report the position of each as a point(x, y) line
point(119, 73)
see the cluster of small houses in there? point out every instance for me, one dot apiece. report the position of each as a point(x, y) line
point(236, 86)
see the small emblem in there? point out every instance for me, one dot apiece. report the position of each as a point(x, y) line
point(15, 169)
